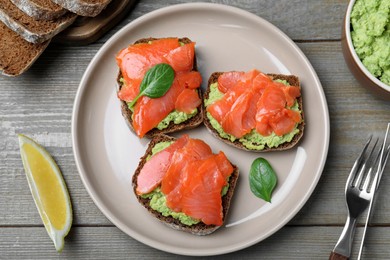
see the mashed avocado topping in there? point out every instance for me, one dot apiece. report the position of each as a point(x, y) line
point(158, 199)
point(176, 117)
point(158, 147)
point(158, 203)
point(252, 140)
point(370, 34)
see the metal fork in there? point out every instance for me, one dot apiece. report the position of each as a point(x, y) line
point(358, 195)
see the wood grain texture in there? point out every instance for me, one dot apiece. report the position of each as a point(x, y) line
point(301, 20)
point(39, 104)
point(298, 243)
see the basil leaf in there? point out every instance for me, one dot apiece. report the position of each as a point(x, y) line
point(157, 81)
point(262, 179)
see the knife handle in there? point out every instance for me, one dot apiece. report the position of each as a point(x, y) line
point(336, 256)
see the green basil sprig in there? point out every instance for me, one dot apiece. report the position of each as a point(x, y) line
point(262, 179)
point(157, 81)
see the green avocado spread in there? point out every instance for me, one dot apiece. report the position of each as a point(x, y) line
point(370, 20)
point(252, 140)
point(176, 117)
point(158, 199)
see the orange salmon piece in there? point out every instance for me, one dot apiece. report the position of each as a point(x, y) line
point(272, 114)
point(191, 79)
point(201, 194)
point(129, 91)
point(154, 170)
point(182, 58)
point(193, 150)
point(261, 82)
point(221, 107)
point(187, 101)
point(241, 119)
point(149, 112)
point(291, 93)
point(228, 80)
point(284, 121)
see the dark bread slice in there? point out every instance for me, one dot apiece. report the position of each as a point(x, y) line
point(89, 8)
point(40, 9)
point(196, 229)
point(172, 127)
point(293, 81)
point(16, 54)
point(30, 29)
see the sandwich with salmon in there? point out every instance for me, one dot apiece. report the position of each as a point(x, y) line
point(184, 185)
point(180, 107)
point(254, 111)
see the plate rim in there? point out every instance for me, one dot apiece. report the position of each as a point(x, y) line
point(82, 172)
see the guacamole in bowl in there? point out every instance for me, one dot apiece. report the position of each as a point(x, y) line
point(370, 34)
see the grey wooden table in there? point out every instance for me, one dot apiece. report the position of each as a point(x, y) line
point(39, 104)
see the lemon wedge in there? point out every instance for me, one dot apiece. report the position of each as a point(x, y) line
point(48, 190)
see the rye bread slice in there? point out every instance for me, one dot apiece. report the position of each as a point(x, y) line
point(30, 29)
point(196, 229)
point(172, 127)
point(293, 81)
point(16, 54)
point(40, 9)
point(89, 8)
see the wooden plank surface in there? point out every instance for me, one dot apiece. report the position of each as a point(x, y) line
point(39, 103)
point(301, 20)
point(109, 243)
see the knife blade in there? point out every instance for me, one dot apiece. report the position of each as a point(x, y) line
point(384, 156)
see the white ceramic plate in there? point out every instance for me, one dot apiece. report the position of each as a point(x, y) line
point(227, 38)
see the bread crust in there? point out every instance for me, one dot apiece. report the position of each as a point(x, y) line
point(34, 31)
point(40, 10)
point(88, 8)
point(196, 229)
point(293, 81)
point(172, 127)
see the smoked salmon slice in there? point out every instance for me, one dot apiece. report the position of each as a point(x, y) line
point(190, 176)
point(187, 101)
point(201, 194)
point(241, 118)
point(221, 107)
point(182, 58)
point(135, 60)
point(154, 170)
point(228, 80)
point(252, 100)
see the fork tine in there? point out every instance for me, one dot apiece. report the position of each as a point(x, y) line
point(357, 163)
point(366, 159)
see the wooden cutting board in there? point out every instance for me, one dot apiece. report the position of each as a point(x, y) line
point(86, 30)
